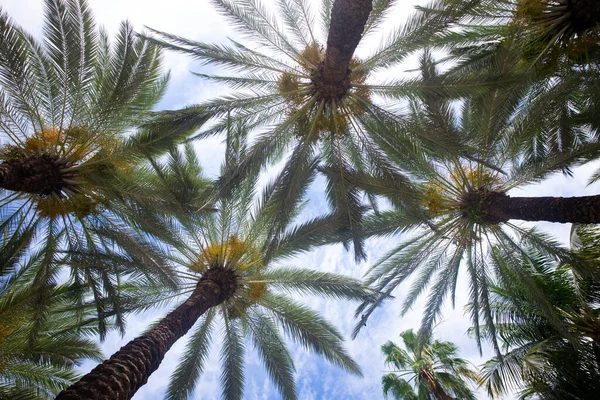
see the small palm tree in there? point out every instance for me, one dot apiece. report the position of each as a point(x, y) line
point(38, 367)
point(540, 360)
point(228, 271)
point(437, 373)
point(67, 109)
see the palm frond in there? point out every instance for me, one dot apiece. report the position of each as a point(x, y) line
point(273, 353)
point(305, 281)
point(309, 329)
point(232, 352)
point(185, 376)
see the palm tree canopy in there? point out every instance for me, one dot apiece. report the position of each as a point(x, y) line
point(554, 38)
point(548, 48)
point(68, 106)
point(239, 237)
point(460, 232)
point(434, 366)
point(540, 360)
point(260, 309)
point(37, 362)
point(339, 130)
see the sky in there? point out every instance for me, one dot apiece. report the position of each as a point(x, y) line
point(316, 379)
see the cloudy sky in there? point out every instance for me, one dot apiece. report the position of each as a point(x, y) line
point(316, 379)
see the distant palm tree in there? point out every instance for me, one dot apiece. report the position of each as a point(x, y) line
point(68, 106)
point(313, 101)
point(433, 366)
point(35, 367)
point(228, 271)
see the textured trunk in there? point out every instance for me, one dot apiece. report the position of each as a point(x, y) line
point(596, 348)
point(441, 394)
point(119, 377)
point(348, 18)
point(434, 387)
point(39, 174)
point(499, 207)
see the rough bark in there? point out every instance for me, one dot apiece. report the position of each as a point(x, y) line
point(434, 386)
point(441, 394)
point(119, 377)
point(348, 19)
point(39, 174)
point(596, 349)
point(499, 207)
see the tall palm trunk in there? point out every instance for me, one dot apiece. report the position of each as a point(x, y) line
point(596, 349)
point(348, 19)
point(499, 207)
point(38, 173)
point(119, 377)
point(441, 394)
point(436, 389)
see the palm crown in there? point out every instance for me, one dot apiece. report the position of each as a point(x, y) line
point(541, 359)
point(67, 108)
point(551, 33)
point(66, 105)
point(437, 372)
point(234, 248)
point(289, 99)
point(538, 47)
point(238, 238)
point(466, 224)
point(38, 361)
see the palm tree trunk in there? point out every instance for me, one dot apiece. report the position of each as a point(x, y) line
point(596, 349)
point(499, 207)
point(39, 174)
point(119, 377)
point(441, 394)
point(348, 19)
point(437, 389)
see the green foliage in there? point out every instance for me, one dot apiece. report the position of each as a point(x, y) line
point(543, 360)
point(138, 225)
point(36, 362)
point(344, 138)
point(77, 96)
point(455, 230)
point(239, 236)
point(434, 368)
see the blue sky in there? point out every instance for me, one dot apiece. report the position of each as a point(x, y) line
point(315, 378)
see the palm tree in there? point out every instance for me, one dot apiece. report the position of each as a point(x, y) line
point(228, 271)
point(437, 373)
point(470, 214)
point(312, 100)
point(539, 360)
point(67, 109)
point(38, 367)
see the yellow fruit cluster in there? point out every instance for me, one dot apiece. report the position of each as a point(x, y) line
point(43, 140)
point(256, 290)
point(234, 253)
point(51, 207)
